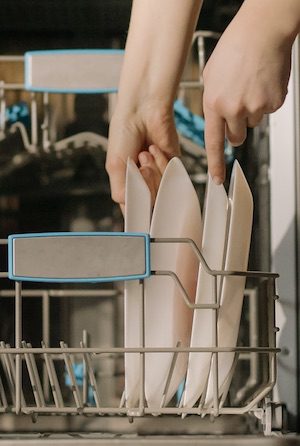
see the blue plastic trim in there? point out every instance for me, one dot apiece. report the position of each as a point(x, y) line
point(76, 51)
point(73, 91)
point(29, 87)
point(146, 237)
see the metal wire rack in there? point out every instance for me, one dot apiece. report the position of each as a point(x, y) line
point(43, 365)
point(44, 380)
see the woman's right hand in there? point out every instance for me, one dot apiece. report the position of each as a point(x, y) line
point(247, 74)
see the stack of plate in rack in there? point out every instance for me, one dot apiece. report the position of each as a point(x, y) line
point(168, 321)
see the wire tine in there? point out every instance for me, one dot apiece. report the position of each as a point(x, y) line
point(201, 405)
point(3, 396)
point(36, 377)
point(171, 371)
point(85, 372)
point(215, 374)
point(180, 405)
point(223, 391)
point(69, 367)
point(55, 387)
point(93, 382)
point(34, 123)
point(203, 396)
point(32, 377)
point(8, 373)
point(142, 356)
point(23, 133)
point(122, 400)
point(12, 365)
point(45, 125)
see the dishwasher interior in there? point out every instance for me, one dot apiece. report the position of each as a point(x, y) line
point(62, 349)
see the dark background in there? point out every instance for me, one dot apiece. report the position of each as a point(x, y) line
point(43, 24)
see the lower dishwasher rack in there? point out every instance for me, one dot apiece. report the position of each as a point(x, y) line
point(45, 381)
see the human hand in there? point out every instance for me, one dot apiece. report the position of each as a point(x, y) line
point(148, 136)
point(152, 166)
point(157, 44)
point(245, 78)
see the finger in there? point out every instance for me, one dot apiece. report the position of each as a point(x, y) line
point(116, 168)
point(255, 119)
point(151, 172)
point(123, 142)
point(148, 177)
point(236, 131)
point(160, 158)
point(214, 144)
point(147, 160)
point(171, 150)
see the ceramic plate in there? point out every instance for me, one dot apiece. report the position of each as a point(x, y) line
point(232, 295)
point(137, 219)
point(213, 243)
point(168, 320)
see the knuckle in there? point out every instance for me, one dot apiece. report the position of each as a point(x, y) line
point(112, 164)
point(214, 147)
point(276, 103)
point(211, 102)
point(257, 107)
point(117, 198)
point(224, 107)
point(234, 109)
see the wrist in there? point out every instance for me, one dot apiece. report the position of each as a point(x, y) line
point(144, 104)
point(147, 113)
point(144, 87)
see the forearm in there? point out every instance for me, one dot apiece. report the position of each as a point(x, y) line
point(158, 41)
point(274, 19)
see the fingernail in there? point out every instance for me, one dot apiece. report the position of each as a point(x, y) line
point(217, 180)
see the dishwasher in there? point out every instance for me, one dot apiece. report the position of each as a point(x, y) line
point(74, 394)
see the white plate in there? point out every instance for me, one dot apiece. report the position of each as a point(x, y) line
point(213, 243)
point(137, 219)
point(232, 295)
point(168, 320)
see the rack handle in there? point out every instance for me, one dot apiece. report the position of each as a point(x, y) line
point(78, 256)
